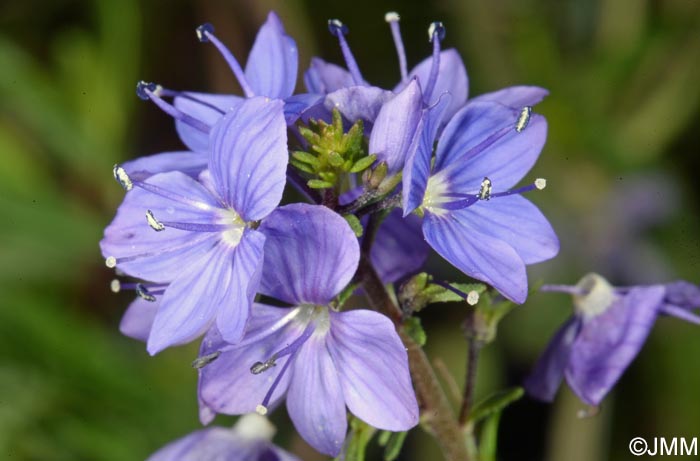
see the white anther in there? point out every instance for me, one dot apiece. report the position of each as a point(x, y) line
point(540, 183)
point(115, 285)
point(392, 16)
point(523, 118)
point(111, 262)
point(485, 189)
point(122, 177)
point(153, 222)
point(261, 410)
point(472, 298)
point(336, 23)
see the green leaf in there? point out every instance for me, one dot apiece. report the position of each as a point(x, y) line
point(415, 330)
point(393, 442)
point(488, 439)
point(355, 224)
point(360, 435)
point(495, 403)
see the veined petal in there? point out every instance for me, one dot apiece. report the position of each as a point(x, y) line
point(323, 77)
point(205, 107)
point(310, 254)
point(417, 168)
point(315, 398)
point(245, 278)
point(297, 106)
point(358, 102)
point(396, 131)
point(452, 78)
point(516, 220)
point(683, 294)
point(378, 390)
point(273, 61)
point(138, 319)
point(548, 373)
point(399, 248)
point(227, 384)
point(161, 256)
point(515, 97)
point(249, 157)
point(190, 302)
point(190, 163)
point(608, 342)
point(478, 255)
point(483, 134)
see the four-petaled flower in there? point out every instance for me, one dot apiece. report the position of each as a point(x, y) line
point(315, 356)
point(197, 239)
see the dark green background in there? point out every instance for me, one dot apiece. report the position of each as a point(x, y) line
point(623, 117)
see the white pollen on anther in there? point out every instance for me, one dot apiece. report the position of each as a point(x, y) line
point(485, 189)
point(523, 119)
point(336, 23)
point(540, 183)
point(115, 285)
point(122, 177)
point(261, 410)
point(472, 298)
point(111, 262)
point(392, 16)
point(153, 222)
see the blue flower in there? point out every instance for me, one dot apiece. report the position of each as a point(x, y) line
point(249, 440)
point(313, 355)
point(608, 329)
point(197, 239)
point(473, 217)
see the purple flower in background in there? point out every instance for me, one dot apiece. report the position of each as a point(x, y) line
point(198, 238)
point(608, 329)
point(472, 217)
point(248, 440)
point(318, 358)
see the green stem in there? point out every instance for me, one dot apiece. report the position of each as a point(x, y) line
point(437, 413)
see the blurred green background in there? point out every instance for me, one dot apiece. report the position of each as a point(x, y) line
point(621, 161)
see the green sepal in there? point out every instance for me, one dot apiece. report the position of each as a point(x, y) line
point(319, 184)
point(414, 329)
point(494, 403)
point(306, 158)
point(363, 163)
point(301, 166)
point(488, 438)
point(392, 443)
point(355, 224)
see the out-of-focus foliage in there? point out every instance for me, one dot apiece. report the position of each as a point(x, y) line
point(621, 163)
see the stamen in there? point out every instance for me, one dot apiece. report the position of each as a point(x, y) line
point(205, 33)
point(338, 29)
point(152, 188)
point(485, 190)
point(472, 297)
point(181, 94)
point(523, 119)
point(153, 92)
point(259, 367)
point(540, 183)
point(115, 285)
point(288, 350)
point(436, 32)
point(153, 222)
point(568, 289)
point(393, 18)
point(201, 362)
point(143, 293)
point(122, 178)
point(261, 410)
point(111, 262)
